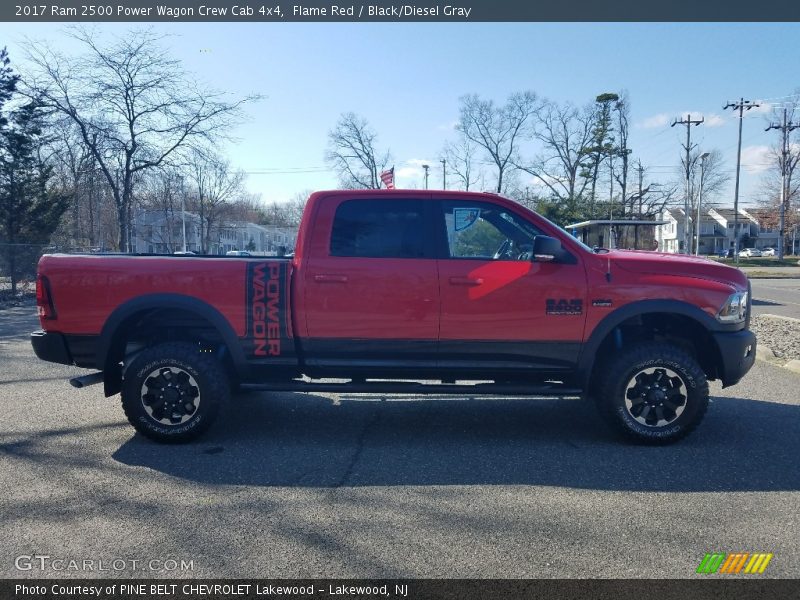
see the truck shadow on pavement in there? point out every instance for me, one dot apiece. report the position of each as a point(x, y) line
point(311, 441)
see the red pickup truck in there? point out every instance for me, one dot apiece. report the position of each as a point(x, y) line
point(403, 291)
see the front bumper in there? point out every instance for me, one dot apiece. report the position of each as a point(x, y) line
point(737, 350)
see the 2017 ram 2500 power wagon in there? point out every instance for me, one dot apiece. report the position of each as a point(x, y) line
point(392, 289)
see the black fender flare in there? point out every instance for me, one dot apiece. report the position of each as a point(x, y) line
point(589, 350)
point(161, 301)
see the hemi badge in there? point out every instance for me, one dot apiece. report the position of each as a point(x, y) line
point(601, 302)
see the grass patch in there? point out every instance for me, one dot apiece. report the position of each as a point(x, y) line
point(767, 261)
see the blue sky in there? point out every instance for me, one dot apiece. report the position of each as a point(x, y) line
point(406, 80)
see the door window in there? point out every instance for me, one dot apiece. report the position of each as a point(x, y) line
point(379, 229)
point(478, 230)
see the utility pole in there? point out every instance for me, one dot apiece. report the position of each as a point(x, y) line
point(786, 128)
point(741, 106)
point(688, 122)
point(444, 173)
point(426, 167)
point(703, 158)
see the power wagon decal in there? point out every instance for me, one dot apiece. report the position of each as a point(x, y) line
point(268, 326)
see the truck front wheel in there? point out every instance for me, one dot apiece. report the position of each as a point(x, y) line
point(653, 393)
point(172, 392)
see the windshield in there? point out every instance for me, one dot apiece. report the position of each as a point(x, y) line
point(580, 243)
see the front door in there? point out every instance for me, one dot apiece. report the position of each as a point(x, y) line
point(500, 309)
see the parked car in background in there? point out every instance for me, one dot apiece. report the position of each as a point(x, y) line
point(749, 253)
point(768, 252)
point(726, 253)
point(237, 253)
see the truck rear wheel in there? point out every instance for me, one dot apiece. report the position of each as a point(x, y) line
point(173, 393)
point(653, 393)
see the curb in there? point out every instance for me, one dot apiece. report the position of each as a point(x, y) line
point(793, 365)
point(766, 354)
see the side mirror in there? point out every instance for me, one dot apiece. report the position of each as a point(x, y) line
point(545, 248)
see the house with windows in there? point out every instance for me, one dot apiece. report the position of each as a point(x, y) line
point(719, 228)
point(162, 232)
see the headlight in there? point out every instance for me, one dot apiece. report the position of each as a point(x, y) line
point(734, 309)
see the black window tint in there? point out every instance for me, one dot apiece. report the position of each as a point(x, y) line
point(379, 229)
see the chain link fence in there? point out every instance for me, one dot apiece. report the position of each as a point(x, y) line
point(18, 268)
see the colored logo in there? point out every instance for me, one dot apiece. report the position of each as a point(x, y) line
point(734, 563)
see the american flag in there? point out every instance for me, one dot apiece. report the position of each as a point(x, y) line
point(387, 177)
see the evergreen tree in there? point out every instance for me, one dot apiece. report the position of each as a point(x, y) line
point(29, 211)
point(602, 146)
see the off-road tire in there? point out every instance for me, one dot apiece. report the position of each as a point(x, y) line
point(176, 375)
point(678, 396)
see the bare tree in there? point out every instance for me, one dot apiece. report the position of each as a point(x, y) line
point(285, 214)
point(75, 170)
point(161, 193)
point(564, 132)
point(622, 151)
point(460, 160)
point(711, 171)
point(134, 106)
point(295, 208)
point(216, 184)
point(499, 130)
point(772, 181)
point(714, 175)
point(352, 152)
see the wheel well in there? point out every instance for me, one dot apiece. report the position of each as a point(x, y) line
point(680, 330)
point(153, 326)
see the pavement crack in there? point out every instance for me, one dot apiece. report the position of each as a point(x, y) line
point(369, 423)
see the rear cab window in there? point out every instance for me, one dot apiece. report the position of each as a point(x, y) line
point(387, 228)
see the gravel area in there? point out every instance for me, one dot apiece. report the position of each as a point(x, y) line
point(780, 334)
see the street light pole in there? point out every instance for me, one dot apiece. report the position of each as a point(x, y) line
point(703, 158)
point(444, 173)
point(426, 167)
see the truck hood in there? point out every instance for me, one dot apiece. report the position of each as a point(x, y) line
point(640, 261)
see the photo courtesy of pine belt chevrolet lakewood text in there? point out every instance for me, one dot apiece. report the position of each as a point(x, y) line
point(409, 292)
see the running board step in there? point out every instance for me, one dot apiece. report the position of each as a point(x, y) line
point(401, 387)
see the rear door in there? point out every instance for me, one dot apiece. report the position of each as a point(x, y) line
point(500, 310)
point(371, 288)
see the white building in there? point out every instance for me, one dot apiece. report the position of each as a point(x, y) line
point(157, 232)
point(716, 231)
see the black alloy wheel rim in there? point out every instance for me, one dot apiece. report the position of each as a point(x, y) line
point(655, 397)
point(170, 395)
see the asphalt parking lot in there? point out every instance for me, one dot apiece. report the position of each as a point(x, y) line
point(777, 297)
point(298, 485)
